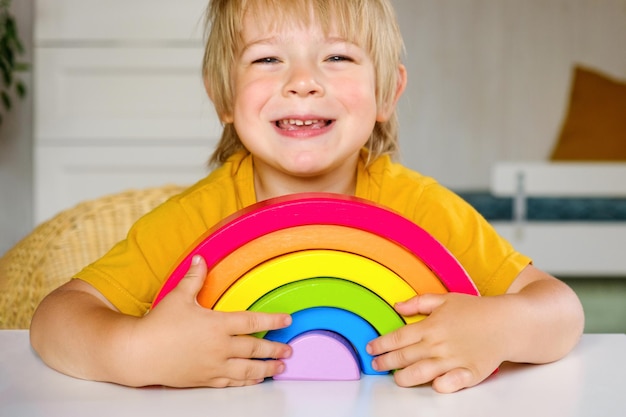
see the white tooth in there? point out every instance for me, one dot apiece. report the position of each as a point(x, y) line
point(298, 122)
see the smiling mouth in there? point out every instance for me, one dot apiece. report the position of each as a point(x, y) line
point(297, 124)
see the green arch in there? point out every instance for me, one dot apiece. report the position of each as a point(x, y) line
point(330, 292)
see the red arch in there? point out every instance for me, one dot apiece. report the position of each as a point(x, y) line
point(322, 208)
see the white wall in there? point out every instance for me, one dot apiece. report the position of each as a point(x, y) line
point(16, 144)
point(489, 79)
point(120, 105)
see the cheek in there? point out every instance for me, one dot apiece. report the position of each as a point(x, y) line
point(358, 94)
point(253, 95)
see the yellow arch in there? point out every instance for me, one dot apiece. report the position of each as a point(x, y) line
point(313, 264)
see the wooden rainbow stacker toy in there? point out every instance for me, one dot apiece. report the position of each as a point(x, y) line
point(336, 263)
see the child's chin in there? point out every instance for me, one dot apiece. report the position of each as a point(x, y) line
point(307, 167)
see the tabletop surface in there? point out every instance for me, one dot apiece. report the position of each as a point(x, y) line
point(590, 381)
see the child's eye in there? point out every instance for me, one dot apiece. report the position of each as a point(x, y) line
point(339, 58)
point(266, 60)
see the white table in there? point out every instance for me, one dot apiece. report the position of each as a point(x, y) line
point(591, 381)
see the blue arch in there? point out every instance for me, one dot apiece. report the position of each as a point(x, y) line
point(352, 327)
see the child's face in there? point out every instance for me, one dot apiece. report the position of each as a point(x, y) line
point(304, 103)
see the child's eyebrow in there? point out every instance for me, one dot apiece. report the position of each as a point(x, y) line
point(336, 39)
point(272, 40)
point(263, 41)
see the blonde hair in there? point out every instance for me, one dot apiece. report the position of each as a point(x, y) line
point(371, 24)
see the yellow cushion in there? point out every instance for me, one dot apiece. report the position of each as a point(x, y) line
point(595, 126)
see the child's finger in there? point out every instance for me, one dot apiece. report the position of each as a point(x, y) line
point(455, 380)
point(247, 371)
point(420, 373)
point(397, 339)
point(248, 322)
point(250, 347)
point(420, 304)
point(224, 382)
point(194, 278)
point(401, 358)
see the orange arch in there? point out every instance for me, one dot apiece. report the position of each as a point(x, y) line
point(332, 237)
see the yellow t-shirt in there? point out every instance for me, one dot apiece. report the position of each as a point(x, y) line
point(133, 271)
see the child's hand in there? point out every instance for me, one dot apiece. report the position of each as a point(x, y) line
point(458, 345)
point(190, 345)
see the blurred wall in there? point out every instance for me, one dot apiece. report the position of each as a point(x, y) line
point(16, 144)
point(489, 79)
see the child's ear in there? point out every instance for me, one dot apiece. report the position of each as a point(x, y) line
point(385, 113)
point(224, 117)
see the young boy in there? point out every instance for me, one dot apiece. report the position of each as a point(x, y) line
point(306, 90)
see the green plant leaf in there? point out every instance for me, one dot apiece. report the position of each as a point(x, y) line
point(10, 48)
point(20, 89)
point(21, 66)
point(6, 100)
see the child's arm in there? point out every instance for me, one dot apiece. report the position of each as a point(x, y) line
point(179, 343)
point(465, 338)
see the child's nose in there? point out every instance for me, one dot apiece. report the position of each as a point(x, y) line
point(303, 82)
